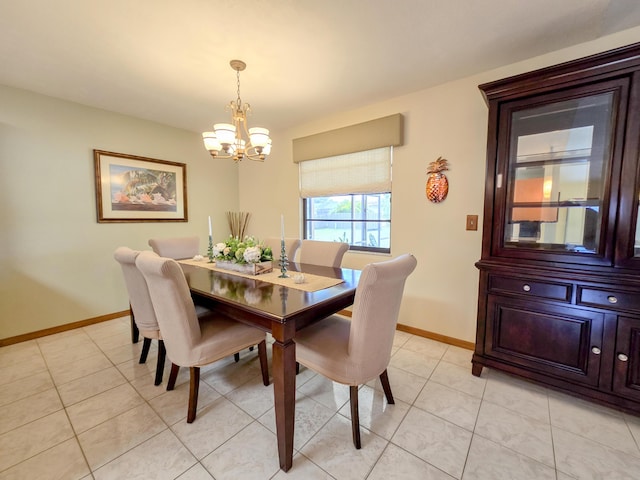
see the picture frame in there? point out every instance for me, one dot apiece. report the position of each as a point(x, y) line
point(131, 188)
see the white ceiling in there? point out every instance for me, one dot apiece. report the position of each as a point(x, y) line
point(168, 60)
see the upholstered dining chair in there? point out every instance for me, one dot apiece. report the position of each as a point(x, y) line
point(191, 342)
point(352, 352)
point(291, 246)
point(177, 248)
point(328, 254)
point(141, 307)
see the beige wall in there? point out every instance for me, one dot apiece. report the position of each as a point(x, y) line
point(56, 261)
point(56, 264)
point(450, 121)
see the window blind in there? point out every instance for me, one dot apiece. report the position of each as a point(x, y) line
point(361, 172)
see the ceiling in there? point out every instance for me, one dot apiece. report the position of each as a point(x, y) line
point(168, 60)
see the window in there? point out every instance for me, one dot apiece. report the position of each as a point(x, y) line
point(361, 220)
point(347, 198)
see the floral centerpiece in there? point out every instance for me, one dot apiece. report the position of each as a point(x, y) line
point(245, 255)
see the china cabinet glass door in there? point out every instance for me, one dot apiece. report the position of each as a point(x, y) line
point(554, 174)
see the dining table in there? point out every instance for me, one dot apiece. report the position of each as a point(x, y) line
point(280, 306)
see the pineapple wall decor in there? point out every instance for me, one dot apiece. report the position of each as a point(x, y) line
point(437, 184)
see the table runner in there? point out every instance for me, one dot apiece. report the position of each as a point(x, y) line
point(312, 283)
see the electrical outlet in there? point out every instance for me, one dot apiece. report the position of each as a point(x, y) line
point(472, 222)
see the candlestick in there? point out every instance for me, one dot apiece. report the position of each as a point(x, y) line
point(210, 249)
point(210, 231)
point(283, 260)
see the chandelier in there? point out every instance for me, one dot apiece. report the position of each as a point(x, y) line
point(228, 139)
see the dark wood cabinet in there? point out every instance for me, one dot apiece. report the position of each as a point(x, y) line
point(626, 376)
point(559, 292)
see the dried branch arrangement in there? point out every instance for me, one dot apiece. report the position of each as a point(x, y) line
point(238, 222)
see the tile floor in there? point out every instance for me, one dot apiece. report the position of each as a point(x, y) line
point(77, 405)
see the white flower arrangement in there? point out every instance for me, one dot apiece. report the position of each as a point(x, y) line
point(247, 250)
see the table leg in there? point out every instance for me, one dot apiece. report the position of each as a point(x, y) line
point(284, 390)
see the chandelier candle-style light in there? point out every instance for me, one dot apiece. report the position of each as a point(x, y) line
point(228, 139)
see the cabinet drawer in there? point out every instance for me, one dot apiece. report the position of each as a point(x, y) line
point(609, 298)
point(552, 291)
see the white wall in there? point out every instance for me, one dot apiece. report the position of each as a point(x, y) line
point(56, 261)
point(450, 121)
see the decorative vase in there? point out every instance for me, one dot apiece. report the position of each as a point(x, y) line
point(246, 268)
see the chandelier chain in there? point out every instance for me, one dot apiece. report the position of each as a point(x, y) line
point(239, 102)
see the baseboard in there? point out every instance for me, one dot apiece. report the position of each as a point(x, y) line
point(61, 328)
point(103, 318)
point(426, 334)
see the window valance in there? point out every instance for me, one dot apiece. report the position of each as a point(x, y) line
point(381, 132)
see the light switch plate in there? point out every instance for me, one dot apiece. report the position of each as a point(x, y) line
point(472, 222)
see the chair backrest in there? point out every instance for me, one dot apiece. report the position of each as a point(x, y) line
point(375, 313)
point(328, 254)
point(143, 313)
point(291, 246)
point(177, 247)
point(174, 307)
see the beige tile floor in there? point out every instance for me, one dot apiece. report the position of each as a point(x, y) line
point(77, 405)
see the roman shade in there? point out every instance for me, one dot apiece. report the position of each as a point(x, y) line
point(360, 172)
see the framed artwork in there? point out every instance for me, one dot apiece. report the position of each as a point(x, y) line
point(139, 189)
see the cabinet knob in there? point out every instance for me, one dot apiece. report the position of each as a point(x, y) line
point(622, 357)
point(612, 299)
point(596, 350)
point(526, 288)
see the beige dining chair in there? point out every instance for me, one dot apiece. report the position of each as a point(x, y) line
point(141, 307)
point(180, 248)
point(177, 248)
point(352, 352)
point(188, 341)
point(328, 254)
point(291, 246)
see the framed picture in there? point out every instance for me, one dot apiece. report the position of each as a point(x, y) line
point(139, 189)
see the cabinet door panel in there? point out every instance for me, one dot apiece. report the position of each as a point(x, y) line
point(549, 339)
point(626, 375)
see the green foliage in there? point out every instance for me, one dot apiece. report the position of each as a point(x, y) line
point(247, 250)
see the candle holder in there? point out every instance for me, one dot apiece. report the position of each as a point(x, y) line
point(210, 249)
point(283, 261)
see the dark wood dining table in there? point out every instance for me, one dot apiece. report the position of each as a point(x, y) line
point(280, 310)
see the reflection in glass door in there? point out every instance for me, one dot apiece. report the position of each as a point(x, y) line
point(559, 156)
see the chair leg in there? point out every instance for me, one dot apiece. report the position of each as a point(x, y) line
point(297, 368)
point(236, 357)
point(384, 379)
point(172, 376)
point(146, 344)
point(194, 386)
point(355, 417)
point(162, 353)
point(135, 333)
point(264, 365)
